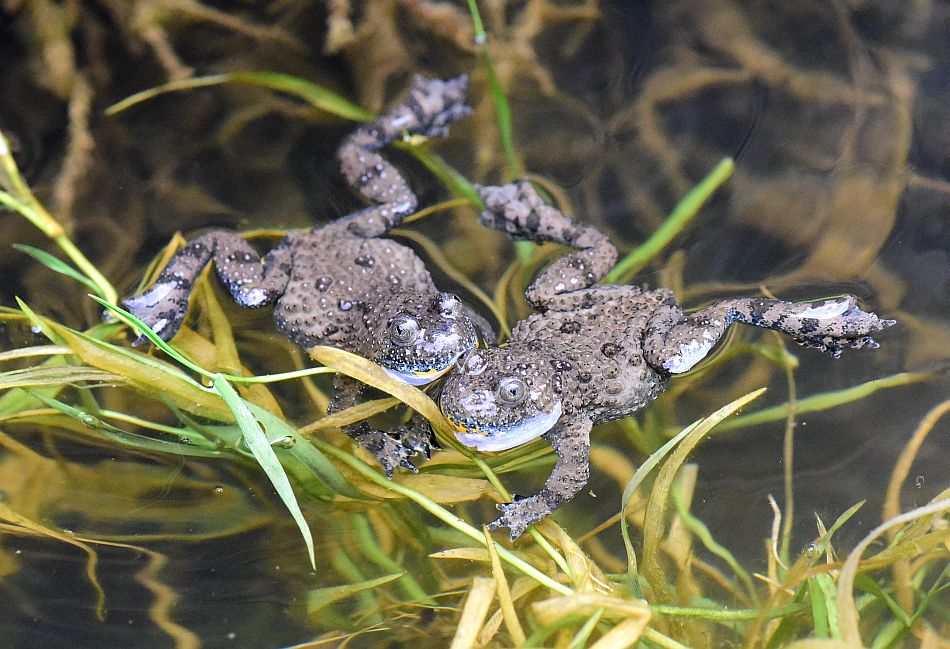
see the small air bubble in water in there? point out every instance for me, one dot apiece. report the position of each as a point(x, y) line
point(812, 551)
point(919, 481)
point(88, 420)
point(218, 490)
point(287, 441)
point(36, 329)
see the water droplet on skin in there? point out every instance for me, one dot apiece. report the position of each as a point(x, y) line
point(323, 283)
point(345, 305)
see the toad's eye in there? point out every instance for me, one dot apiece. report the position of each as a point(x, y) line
point(512, 391)
point(403, 330)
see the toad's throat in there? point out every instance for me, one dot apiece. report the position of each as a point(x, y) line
point(487, 438)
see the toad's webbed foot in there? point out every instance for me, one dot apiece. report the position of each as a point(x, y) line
point(416, 436)
point(676, 342)
point(428, 110)
point(252, 282)
point(521, 514)
point(517, 209)
point(571, 442)
point(389, 451)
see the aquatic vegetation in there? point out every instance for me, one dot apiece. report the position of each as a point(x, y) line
point(111, 449)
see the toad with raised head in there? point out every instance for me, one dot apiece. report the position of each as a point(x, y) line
point(596, 353)
point(341, 284)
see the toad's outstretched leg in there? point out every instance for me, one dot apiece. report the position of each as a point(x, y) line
point(431, 106)
point(571, 441)
point(517, 209)
point(252, 282)
point(675, 342)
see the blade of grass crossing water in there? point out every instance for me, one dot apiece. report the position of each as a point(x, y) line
point(678, 219)
point(257, 442)
point(314, 94)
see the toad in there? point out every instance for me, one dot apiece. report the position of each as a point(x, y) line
point(342, 284)
point(596, 353)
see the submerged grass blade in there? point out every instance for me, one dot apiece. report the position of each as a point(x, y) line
point(314, 94)
point(320, 598)
point(257, 442)
point(678, 219)
point(825, 400)
point(655, 520)
point(847, 610)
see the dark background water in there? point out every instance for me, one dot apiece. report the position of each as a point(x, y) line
point(836, 114)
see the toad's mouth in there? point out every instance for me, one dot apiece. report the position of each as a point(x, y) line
point(501, 438)
point(417, 378)
point(425, 375)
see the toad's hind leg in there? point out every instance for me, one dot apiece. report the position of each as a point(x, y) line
point(676, 342)
point(518, 210)
point(252, 282)
point(431, 106)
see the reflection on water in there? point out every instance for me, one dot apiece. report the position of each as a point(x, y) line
point(835, 112)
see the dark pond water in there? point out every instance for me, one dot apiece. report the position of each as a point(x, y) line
point(836, 114)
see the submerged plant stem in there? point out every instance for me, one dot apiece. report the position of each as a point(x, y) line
point(444, 515)
point(678, 219)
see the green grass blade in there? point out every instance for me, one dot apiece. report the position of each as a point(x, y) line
point(314, 94)
point(638, 477)
point(124, 437)
point(56, 265)
point(308, 454)
point(825, 400)
point(146, 331)
point(678, 219)
point(821, 592)
point(257, 442)
point(446, 173)
point(322, 597)
point(654, 526)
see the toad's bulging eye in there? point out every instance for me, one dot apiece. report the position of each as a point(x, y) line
point(512, 391)
point(403, 330)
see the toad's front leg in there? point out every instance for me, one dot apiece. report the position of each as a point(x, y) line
point(676, 342)
point(571, 441)
point(391, 451)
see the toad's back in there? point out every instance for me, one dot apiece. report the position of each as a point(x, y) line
point(596, 346)
point(337, 278)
